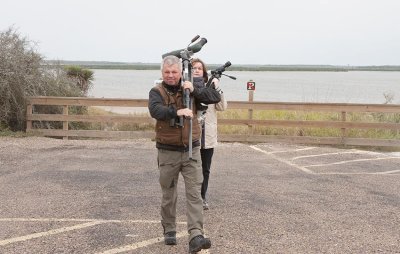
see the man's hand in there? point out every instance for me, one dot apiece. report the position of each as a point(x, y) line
point(188, 85)
point(185, 112)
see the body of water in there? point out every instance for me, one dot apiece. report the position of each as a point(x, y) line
point(277, 86)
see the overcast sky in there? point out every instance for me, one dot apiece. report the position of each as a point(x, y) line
point(337, 32)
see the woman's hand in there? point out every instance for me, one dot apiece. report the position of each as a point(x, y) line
point(216, 82)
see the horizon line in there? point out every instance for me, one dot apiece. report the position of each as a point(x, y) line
point(241, 64)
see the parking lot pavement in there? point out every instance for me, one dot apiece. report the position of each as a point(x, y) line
point(97, 196)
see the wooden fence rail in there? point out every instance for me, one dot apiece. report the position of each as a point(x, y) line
point(341, 108)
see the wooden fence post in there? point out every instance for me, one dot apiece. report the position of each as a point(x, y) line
point(343, 118)
point(65, 123)
point(250, 115)
point(28, 115)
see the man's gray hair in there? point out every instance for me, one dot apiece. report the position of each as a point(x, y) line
point(171, 60)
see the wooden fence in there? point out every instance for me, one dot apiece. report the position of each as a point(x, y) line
point(341, 108)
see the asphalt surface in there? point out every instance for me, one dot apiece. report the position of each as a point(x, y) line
point(97, 196)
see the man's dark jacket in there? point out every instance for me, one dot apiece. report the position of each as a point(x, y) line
point(164, 113)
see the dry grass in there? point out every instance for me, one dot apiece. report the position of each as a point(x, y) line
point(310, 116)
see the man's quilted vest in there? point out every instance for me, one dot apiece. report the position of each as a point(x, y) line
point(176, 135)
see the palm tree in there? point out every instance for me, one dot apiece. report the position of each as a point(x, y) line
point(83, 77)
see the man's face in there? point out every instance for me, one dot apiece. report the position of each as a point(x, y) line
point(171, 74)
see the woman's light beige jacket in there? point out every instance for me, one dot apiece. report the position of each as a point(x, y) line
point(211, 135)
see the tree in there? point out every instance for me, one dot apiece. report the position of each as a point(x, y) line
point(22, 74)
point(83, 77)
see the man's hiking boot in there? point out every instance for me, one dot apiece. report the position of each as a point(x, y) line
point(199, 243)
point(170, 238)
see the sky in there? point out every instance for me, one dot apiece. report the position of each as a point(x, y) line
point(271, 32)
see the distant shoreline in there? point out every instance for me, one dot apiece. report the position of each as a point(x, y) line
point(239, 67)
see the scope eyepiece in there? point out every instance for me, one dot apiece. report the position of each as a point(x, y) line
point(227, 64)
point(221, 69)
point(191, 49)
point(197, 47)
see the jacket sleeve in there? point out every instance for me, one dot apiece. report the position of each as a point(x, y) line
point(206, 95)
point(222, 105)
point(157, 108)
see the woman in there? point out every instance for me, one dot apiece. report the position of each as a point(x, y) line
point(209, 124)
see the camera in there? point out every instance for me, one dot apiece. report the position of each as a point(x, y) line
point(217, 73)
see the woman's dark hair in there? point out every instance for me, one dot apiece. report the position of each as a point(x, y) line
point(205, 75)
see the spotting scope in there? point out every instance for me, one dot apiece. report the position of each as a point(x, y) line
point(190, 49)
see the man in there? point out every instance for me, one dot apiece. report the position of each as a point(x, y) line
point(172, 140)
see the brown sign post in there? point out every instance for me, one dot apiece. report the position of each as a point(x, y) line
point(251, 87)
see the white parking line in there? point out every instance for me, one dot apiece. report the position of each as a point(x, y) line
point(288, 151)
point(89, 223)
point(308, 171)
point(46, 220)
point(50, 232)
point(388, 172)
point(284, 161)
point(337, 153)
point(138, 245)
point(80, 220)
point(357, 173)
point(349, 161)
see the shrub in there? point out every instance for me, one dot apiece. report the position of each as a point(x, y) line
point(23, 74)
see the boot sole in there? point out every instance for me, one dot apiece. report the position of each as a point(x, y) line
point(204, 246)
point(170, 242)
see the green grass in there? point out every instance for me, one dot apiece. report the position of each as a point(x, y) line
point(284, 115)
point(310, 131)
point(116, 126)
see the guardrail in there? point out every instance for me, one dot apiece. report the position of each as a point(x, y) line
point(341, 108)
